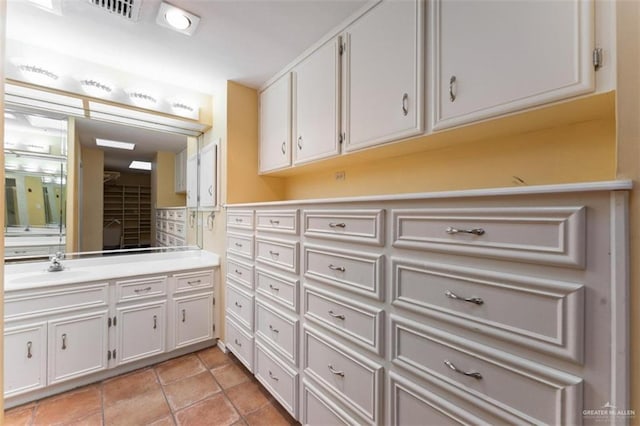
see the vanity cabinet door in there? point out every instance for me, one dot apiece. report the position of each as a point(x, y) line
point(193, 318)
point(25, 358)
point(275, 125)
point(77, 346)
point(140, 331)
point(208, 165)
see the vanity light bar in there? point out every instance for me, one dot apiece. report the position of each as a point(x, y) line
point(115, 144)
point(140, 165)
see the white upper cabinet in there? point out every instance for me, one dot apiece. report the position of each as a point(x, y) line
point(316, 106)
point(275, 125)
point(180, 181)
point(383, 74)
point(192, 181)
point(494, 57)
point(208, 181)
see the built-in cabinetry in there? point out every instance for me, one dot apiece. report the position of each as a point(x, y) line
point(484, 306)
point(180, 170)
point(202, 181)
point(171, 226)
point(128, 207)
point(365, 84)
point(56, 334)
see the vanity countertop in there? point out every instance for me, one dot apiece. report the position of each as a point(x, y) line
point(35, 275)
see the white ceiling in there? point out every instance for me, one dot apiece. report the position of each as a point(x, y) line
point(246, 41)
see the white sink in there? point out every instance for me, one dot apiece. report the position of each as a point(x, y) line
point(43, 277)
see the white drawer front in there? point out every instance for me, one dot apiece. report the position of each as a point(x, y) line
point(240, 306)
point(279, 254)
point(361, 226)
point(240, 343)
point(278, 288)
point(279, 379)
point(241, 219)
point(141, 288)
point(361, 274)
point(281, 221)
point(240, 272)
point(180, 215)
point(240, 244)
point(543, 394)
point(58, 300)
point(180, 230)
point(549, 235)
point(320, 411)
point(358, 323)
point(193, 280)
point(171, 214)
point(279, 329)
point(525, 310)
point(171, 227)
point(345, 374)
point(411, 404)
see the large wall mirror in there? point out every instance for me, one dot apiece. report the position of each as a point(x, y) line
point(76, 184)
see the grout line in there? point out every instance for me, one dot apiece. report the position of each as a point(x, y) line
point(166, 400)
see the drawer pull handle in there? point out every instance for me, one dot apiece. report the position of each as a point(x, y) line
point(272, 376)
point(336, 372)
point(337, 225)
point(155, 322)
point(337, 268)
point(238, 272)
point(140, 290)
point(194, 282)
point(473, 374)
point(452, 88)
point(237, 342)
point(64, 341)
point(339, 316)
point(272, 328)
point(274, 222)
point(274, 253)
point(405, 108)
point(274, 288)
point(238, 245)
point(29, 354)
point(237, 304)
point(474, 231)
point(184, 315)
point(476, 300)
point(239, 220)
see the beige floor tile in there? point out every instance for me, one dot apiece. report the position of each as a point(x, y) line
point(216, 410)
point(248, 397)
point(165, 421)
point(93, 420)
point(179, 368)
point(68, 407)
point(270, 415)
point(185, 392)
point(138, 410)
point(129, 385)
point(19, 416)
point(213, 357)
point(230, 375)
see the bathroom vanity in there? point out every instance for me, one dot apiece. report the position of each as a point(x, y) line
point(102, 316)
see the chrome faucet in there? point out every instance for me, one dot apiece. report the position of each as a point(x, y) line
point(56, 266)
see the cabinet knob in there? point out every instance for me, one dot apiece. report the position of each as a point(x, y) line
point(405, 104)
point(452, 87)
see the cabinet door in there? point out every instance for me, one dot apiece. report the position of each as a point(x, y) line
point(181, 171)
point(383, 69)
point(500, 56)
point(208, 167)
point(192, 181)
point(193, 319)
point(25, 358)
point(275, 125)
point(77, 346)
point(316, 109)
point(140, 331)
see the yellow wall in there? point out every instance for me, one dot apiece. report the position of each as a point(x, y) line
point(73, 176)
point(628, 165)
point(35, 200)
point(572, 153)
point(92, 199)
point(163, 181)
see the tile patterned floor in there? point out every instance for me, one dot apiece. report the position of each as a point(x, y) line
point(200, 389)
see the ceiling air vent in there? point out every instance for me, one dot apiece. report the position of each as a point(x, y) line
point(128, 9)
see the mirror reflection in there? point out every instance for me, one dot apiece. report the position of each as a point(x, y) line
point(35, 183)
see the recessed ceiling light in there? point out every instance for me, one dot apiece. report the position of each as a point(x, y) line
point(177, 19)
point(140, 165)
point(115, 144)
point(95, 88)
